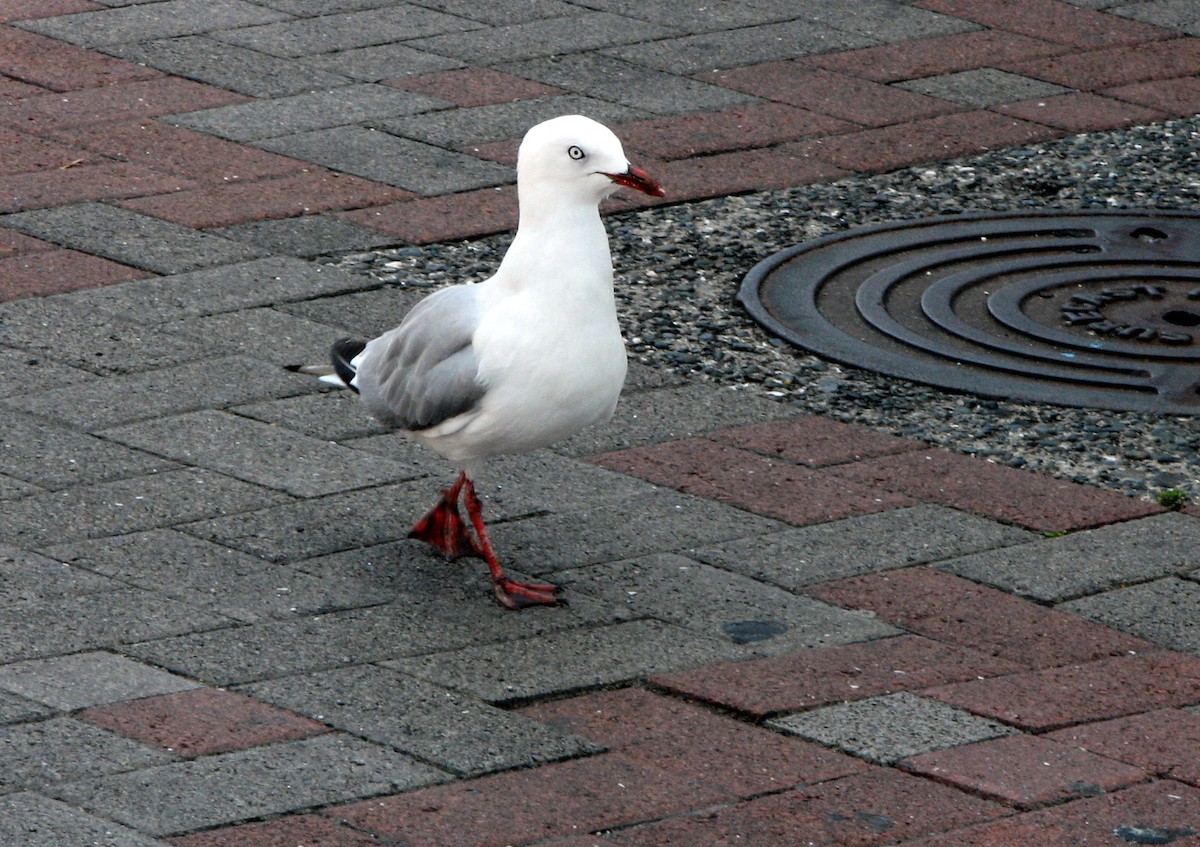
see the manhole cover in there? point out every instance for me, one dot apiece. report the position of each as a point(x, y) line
point(1099, 310)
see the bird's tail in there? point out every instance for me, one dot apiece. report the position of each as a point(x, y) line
point(341, 371)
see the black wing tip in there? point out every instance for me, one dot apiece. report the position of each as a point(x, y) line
point(342, 353)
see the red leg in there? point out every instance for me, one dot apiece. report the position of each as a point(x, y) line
point(444, 529)
point(513, 594)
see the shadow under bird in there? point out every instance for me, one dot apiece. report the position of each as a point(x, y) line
point(524, 359)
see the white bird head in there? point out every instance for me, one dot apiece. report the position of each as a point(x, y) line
point(576, 157)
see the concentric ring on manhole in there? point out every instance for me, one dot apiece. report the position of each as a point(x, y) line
point(1080, 309)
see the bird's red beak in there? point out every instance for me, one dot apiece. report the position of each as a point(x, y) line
point(638, 179)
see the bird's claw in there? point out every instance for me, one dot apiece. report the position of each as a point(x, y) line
point(519, 595)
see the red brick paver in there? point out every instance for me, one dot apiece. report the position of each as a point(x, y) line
point(813, 678)
point(949, 608)
point(202, 721)
point(445, 218)
point(1053, 20)
point(1059, 697)
point(815, 441)
point(293, 831)
point(54, 271)
point(1165, 742)
point(1081, 112)
point(1116, 66)
point(62, 67)
point(775, 488)
point(694, 742)
point(1021, 497)
point(1175, 96)
point(1024, 770)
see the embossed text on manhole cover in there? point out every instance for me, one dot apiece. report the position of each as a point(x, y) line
point(1080, 309)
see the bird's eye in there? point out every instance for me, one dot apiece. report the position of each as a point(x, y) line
point(574, 152)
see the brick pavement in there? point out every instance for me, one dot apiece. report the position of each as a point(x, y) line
point(782, 630)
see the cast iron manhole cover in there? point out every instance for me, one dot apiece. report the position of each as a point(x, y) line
point(1080, 309)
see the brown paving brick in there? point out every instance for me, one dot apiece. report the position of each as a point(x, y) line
point(301, 193)
point(1030, 500)
point(876, 807)
point(12, 90)
point(1164, 742)
point(1054, 20)
point(758, 484)
point(101, 181)
point(518, 806)
point(202, 721)
point(694, 742)
point(24, 153)
point(203, 159)
point(62, 67)
point(717, 132)
point(815, 441)
point(812, 678)
point(1116, 66)
point(943, 54)
point(850, 98)
point(15, 243)
point(1159, 812)
point(932, 139)
point(20, 10)
point(1059, 697)
point(53, 271)
point(1081, 112)
point(949, 608)
point(733, 173)
point(452, 216)
point(1173, 96)
point(1024, 770)
point(127, 101)
point(474, 86)
point(290, 831)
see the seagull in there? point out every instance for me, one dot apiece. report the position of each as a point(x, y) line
point(521, 360)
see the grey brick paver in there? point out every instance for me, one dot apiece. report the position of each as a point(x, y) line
point(75, 682)
point(1165, 611)
point(32, 820)
point(144, 22)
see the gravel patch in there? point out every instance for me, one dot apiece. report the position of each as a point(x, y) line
point(679, 269)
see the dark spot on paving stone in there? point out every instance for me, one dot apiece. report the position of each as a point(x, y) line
point(745, 632)
point(875, 823)
point(1142, 834)
point(1086, 789)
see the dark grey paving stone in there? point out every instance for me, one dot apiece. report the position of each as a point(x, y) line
point(216, 578)
point(151, 21)
point(346, 31)
point(262, 282)
point(449, 730)
point(363, 313)
point(567, 661)
point(664, 522)
point(265, 334)
point(651, 417)
point(1058, 569)
point(86, 338)
point(53, 457)
point(983, 87)
point(497, 12)
point(247, 784)
point(130, 238)
point(314, 8)
point(437, 606)
point(294, 531)
point(228, 66)
point(883, 20)
point(384, 61)
point(335, 415)
point(12, 488)
point(129, 505)
point(286, 116)
point(586, 30)
point(458, 128)
point(88, 679)
point(1174, 14)
point(14, 709)
point(692, 54)
point(629, 83)
point(261, 453)
point(883, 541)
point(40, 754)
point(209, 383)
point(709, 17)
point(762, 619)
point(1165, 611)
point(309, 235)
point(382, 157)
point(887, 729)
point(29, 576)
point(30, 820)
point(19, 370)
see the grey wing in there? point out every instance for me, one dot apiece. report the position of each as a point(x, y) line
point(425, 370)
